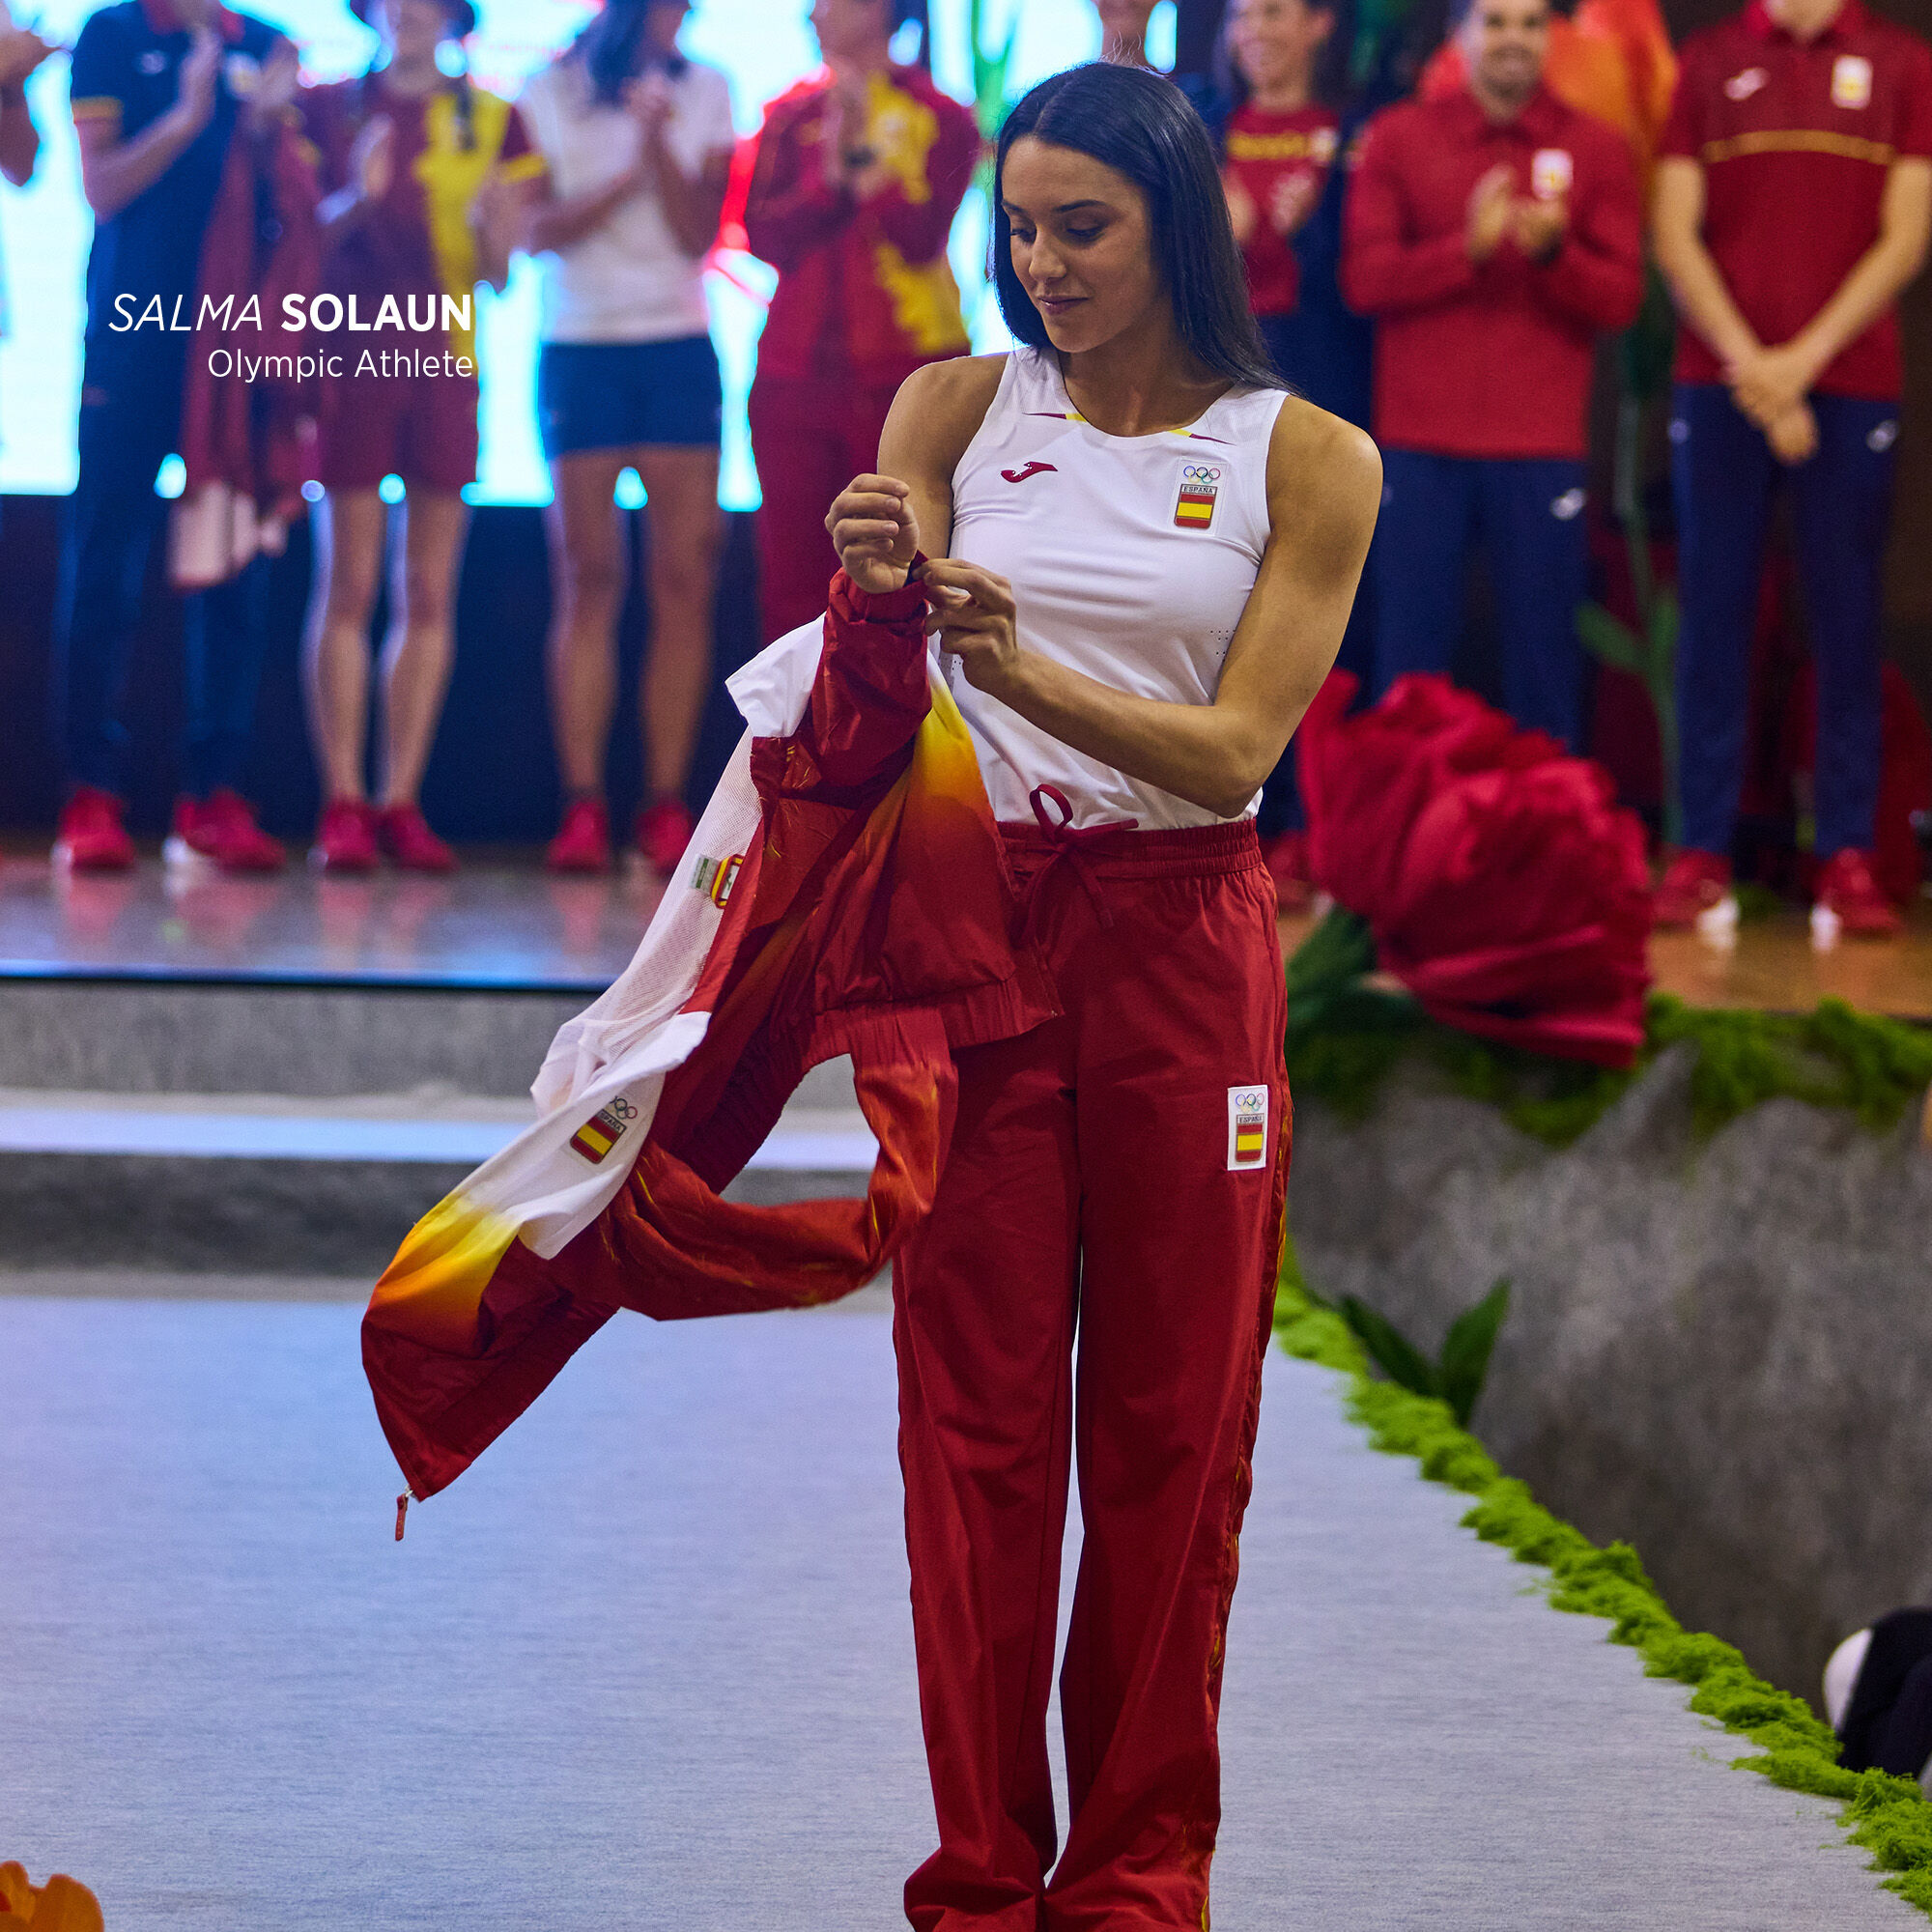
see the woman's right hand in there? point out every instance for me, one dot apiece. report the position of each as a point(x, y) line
point(874, 532)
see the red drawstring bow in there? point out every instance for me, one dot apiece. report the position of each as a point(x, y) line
point(1069, 843)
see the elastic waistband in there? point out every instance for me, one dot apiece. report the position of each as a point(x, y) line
point(1118, 852)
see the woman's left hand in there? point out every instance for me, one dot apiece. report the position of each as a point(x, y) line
point(975, 617)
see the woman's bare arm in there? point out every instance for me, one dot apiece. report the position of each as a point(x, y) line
point(878, 522)
point(1324, 488)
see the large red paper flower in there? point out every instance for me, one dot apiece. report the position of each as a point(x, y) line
point(1504, 887)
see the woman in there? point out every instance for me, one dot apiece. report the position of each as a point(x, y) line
point(1280, 146)
point(1279, 149)
point(423, 174)
point(1153, 553)
point(639, 143)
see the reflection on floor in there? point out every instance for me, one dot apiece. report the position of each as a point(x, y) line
point(490, 925)
point(503, 922)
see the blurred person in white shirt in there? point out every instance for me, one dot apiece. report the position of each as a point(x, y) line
point(638, 141)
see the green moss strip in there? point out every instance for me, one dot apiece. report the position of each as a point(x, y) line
point(1354, 1036)
point(1889, 1816)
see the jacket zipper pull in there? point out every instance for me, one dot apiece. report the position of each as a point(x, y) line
point(402, 1513)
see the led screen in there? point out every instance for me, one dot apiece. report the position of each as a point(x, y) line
point(764, 45)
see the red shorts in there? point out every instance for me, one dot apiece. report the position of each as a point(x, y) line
point(419, 427)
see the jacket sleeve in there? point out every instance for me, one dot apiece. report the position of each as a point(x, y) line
point(918, 229)
point(1384, 271)
point(1596, 276)
point(790, 208)
point(871, 694)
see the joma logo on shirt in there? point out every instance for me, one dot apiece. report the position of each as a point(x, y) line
point(1027, 470)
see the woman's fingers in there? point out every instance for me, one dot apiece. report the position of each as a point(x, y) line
point(990, 592)
point(861, 529)
point(865, 505)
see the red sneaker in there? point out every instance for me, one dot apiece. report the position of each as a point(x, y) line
point(583, 843)
point(1847, 893)
point(223, 827)
point(1288, 864)
point(664, 831)
point(404, 833)
point(1695, 884)
point(345, 841)
point(91, 837)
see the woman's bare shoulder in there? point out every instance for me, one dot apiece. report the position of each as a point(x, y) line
point(940, 407)
point(1322, 469)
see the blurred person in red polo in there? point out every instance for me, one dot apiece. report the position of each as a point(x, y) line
point(424, 176)
point(859, 172)
point(1792, 200)
point(1494, 235)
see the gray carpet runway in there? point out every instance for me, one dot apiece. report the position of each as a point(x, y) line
point(648, 1665)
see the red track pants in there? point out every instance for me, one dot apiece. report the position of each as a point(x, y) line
point(1089, 1190)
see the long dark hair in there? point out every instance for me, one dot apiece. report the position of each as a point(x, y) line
point(1141, 126)
point(613, 51)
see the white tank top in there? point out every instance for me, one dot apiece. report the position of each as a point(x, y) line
point(1131, 558)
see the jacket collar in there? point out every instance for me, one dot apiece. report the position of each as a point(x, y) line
point(1541, 119)
point(1849, 20)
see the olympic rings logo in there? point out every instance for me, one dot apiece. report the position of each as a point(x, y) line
point(622, 1110)
point(1200, 473)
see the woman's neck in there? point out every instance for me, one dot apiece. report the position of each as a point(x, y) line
point(1287, 93)
point(1140, 382)
point(410, 81)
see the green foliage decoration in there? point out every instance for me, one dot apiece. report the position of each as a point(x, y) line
point(990, 106)
point(1887, 1816)
point(1457, 1378)
point(1649, 650)
point(1346, 1034)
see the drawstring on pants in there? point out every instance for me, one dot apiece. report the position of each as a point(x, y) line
point(1072, 846)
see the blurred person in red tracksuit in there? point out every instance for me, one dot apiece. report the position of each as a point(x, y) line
point(858, 176)
point(1494, 235)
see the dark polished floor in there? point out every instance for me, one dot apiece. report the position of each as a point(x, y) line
point(503, 922)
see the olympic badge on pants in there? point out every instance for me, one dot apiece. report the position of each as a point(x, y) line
point(1248, 1126)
